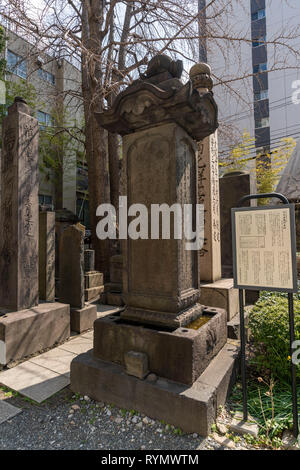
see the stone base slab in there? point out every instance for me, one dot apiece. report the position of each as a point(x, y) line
point(29, 331)
point(192, 408)
point(93, 293)
point(114, 298)
point(83, 319)
point(162, 319)
point(180, 355)
point(221, 294)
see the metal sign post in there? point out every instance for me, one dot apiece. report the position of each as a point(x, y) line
point(254, 243)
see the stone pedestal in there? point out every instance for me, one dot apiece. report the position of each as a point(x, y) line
point(19, 288)
point(93, 280)
point(72, 279)
point(47, 256)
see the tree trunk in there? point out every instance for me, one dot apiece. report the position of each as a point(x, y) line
point(95, 137)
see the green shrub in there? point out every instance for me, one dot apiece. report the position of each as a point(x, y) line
point(269, 325)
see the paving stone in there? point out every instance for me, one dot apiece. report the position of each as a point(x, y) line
point(7, 411)
point(78, 345)
point(34, 381)
point(88, 335)
point(57, 360)
point(240, 426)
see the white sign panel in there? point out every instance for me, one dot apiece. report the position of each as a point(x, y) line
point(264, 248)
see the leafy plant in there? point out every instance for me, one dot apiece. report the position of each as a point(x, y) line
point(269, 325)
point(237, 159)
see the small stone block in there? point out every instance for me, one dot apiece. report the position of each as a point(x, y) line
point(7, 411)
point(239, 426)
point(93, 293)
point(93, 279)
point(136, 364)
point(83, 319)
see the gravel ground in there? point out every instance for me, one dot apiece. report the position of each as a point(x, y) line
point(66, 421)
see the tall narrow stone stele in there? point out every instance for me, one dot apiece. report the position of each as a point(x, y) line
point(47, 256)
point(161, 119)
point(19, 210)
point(208, 187)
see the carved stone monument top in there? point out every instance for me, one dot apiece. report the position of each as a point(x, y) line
point(159, 96)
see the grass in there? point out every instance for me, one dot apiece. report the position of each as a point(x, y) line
point(269, 403)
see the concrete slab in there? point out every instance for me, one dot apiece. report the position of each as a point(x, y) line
point(7, 411)
point(58, 360)
point(239, 426)
point(78, 345)
point(34, 381)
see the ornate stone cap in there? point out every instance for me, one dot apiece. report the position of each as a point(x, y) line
point(159, 96)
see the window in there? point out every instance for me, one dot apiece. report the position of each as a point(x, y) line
point(263, 122)
point(259, 41)
point(260, 67)
point(47, 76)
point(44, 119)
point(16, 64)
point(258, 15)
point(261, 95)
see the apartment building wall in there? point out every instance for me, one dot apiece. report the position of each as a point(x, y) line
point(266, 109)
point(64, 92)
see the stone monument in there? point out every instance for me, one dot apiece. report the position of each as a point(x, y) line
point(26, 326)
point(159, 331)
point(47, 256)
point(71, 279)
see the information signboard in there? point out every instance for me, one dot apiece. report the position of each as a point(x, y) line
point(264, 248)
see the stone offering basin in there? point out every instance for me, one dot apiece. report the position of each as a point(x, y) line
point(180, 355)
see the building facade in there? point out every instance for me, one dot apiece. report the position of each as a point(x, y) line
point(261, 99)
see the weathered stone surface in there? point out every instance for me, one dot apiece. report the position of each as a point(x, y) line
point(19, 210)
point(160, 97)
point(136, 364)
point(47, 256)
point(192, 408)
point(192, 349)
point(89, 260)
point(232, 188)
point(233, 326)
point(72, 267)
point(116, 269)
point(208, 195)
point(221, 294)
point(29, 331)
point(83, 319)
point(114, 298)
